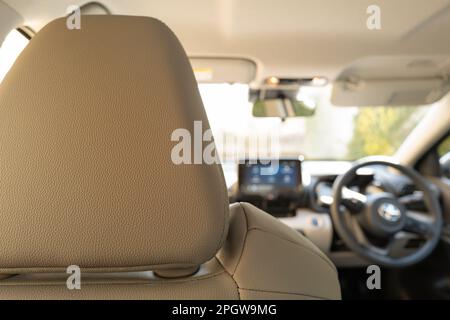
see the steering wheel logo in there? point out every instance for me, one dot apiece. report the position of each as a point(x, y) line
point(389, 212)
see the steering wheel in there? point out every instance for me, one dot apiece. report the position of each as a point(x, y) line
point(377, 226)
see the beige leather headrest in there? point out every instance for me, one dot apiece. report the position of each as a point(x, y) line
point(86, 175)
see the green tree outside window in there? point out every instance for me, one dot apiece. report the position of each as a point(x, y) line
point(381, 130)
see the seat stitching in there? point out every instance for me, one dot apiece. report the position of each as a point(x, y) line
point(290, 293)
point(225, 213)
point(245, 238)
point(234, 280)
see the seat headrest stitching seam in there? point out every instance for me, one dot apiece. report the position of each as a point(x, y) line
point(245, 237)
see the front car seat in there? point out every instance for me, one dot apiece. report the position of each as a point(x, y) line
point(86, 118)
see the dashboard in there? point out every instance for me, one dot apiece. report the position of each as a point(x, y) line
point(299, 193)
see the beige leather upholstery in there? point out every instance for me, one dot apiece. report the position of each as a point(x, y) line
point(261, 259)
point(86, 118)
point(267, 259)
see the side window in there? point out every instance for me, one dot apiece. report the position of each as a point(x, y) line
point(444, 147)
point(10, 49)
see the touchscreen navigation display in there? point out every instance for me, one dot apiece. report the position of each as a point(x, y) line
point(253, 177)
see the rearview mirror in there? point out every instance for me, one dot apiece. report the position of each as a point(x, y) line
point(282, 108)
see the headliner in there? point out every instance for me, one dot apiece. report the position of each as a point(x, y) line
point(293, 38)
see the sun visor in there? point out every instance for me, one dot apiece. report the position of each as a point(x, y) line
point(393, 81)
point(223, 70)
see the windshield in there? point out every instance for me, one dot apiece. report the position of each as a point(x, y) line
point(332, 133)
point(11, 47)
